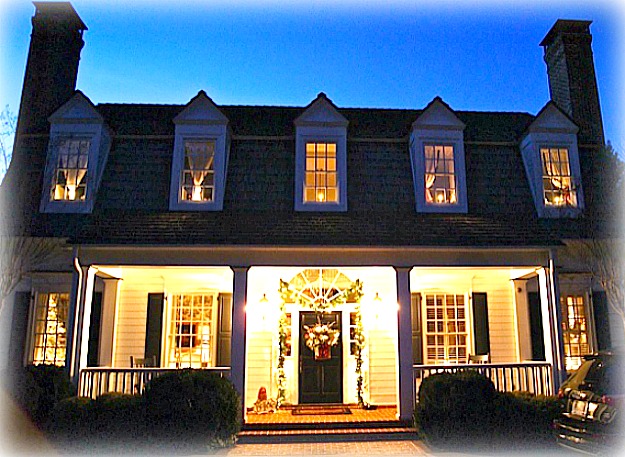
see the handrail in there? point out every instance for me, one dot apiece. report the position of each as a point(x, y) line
point(95, 381)
point(531, 377)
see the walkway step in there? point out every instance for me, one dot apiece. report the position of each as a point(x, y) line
point(326, 432)
point(324, 425)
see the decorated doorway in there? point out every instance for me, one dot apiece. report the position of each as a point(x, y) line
point(320, 358)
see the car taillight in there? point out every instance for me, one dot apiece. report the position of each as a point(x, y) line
point(607, 400)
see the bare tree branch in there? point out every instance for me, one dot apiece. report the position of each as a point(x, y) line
point(20, 255)
point(604, 260)
point(8, 125)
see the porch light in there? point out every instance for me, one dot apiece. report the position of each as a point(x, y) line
point(264, 299)
point(377, 298)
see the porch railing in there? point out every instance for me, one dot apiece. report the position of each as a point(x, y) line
point(532, 377)
point(96, 381)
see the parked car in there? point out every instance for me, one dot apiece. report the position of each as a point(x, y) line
point(592, 403)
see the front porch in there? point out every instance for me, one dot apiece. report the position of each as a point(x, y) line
point(405, 325)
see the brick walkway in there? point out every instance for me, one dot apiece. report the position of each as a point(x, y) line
point(337, 448)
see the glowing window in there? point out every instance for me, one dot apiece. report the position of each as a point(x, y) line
point(574, 330)
point(50, 338)
point(558, 186)
point(446, 333)
point(69, 182)
point(192, 329)
point(320, 179)
point(440, 175)
point(198, 173)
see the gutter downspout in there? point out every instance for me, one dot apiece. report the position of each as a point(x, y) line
point(72, 317)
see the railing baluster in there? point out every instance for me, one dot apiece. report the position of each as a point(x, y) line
point(535, 378)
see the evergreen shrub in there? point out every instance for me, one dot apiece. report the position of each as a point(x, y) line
point(195, 407)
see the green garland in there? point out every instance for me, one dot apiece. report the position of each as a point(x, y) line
point(287, 295)
point(359, 340)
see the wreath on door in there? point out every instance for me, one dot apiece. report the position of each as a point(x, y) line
point(320, 338)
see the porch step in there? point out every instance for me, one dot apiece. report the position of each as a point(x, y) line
point(335, 431)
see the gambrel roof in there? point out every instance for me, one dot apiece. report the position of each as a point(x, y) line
point(132, 202)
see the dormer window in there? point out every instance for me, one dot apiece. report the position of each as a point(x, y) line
point(551, 159)
point(321, 158)
point(70, 177)
point(77, 152)
point(198, 174)
point(558, 185)
point(200, 157)
point(321, 184)
point(437, 156)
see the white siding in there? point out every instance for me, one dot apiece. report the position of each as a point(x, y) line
point(259, 365)
point(382, 368)
point(131, 318)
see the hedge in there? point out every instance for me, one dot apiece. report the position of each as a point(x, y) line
point(193, 406)
point(463, 410)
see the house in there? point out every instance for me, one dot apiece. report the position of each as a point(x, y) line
point(327, 254)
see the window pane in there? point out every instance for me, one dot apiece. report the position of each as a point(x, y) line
point(558, 184)
point(322, 185)
point(191, 335)
point(198, 172)
point(440, 179)
point(50, 337)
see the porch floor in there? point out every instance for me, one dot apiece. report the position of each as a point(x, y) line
point(285, 416)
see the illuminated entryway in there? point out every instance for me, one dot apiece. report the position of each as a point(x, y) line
point(353, 310)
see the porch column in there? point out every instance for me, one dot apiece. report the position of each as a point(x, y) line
point(107, 326)
point(237, 361)
point(82, 316)
point(558, 358)
point(404, 352)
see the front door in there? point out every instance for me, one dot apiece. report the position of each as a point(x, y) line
point(321, 378)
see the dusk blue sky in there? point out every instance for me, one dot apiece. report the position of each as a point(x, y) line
point(484, 56)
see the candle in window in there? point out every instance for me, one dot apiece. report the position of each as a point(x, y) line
point(440, 195)
point(71, 192)
point(196, 195)
point(205, 343)
point(321, 196)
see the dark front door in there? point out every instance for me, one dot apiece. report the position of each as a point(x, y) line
point(320, 381)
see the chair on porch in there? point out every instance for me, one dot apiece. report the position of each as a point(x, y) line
point(136, 362)
point(479, 358)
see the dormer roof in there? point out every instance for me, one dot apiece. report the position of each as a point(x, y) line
point(552, 119)
point(321, 112)
point(78, 109)
point(201, 110)
point(438, 115)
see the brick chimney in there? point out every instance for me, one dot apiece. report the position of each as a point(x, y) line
point(572, 81)
point(52, 66)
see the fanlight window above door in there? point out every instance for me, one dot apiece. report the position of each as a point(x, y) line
point(317, 287)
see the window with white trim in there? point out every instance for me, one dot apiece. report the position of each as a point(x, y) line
point(50, 329)
point(321, 181)
point(552, 164)
point(198, 173)
point(440, 174)
point(192, 330)
point(438, 161)
point(445, 333)
point(558, 185)
point(575, 330)
point(77, 152)
point(321, 158)
point(200, 157)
